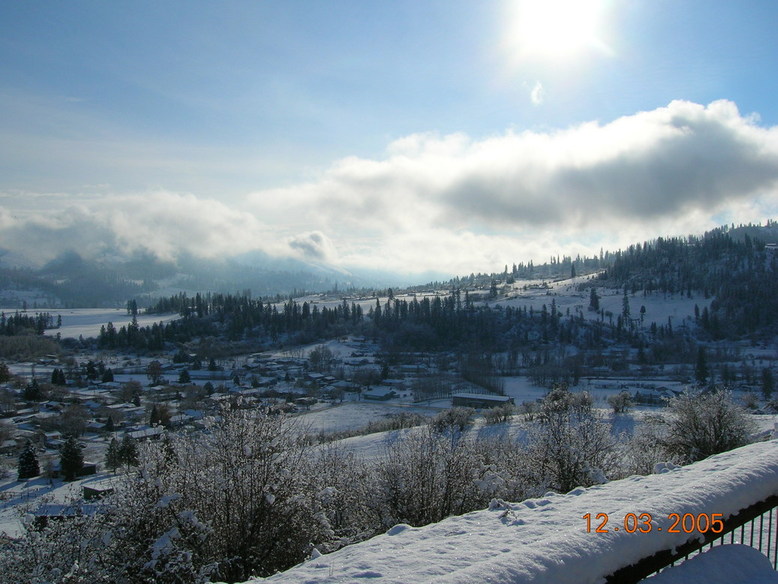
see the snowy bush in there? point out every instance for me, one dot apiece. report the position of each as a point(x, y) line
point(505, 471)
point(427, 476)
point(705, 423)
point(247, 479)
point(249, 496)
point(238, 500)
point(154, 536)
point(529, 410)
point(453, 420)
point(620, 402)
point(571, 446)
point(345, 490)
point(78, 549)
point(646, 447)
point(499, 414)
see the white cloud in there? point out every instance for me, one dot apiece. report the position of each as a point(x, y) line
point(161, 223)
point(538, 93)
point(666, 171)
point(455, 204)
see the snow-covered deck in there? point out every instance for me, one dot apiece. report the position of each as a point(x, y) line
point(546, 540)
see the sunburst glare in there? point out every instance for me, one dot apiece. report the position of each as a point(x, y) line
point(555, 30)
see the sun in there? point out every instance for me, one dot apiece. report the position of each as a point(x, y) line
point(555, 30)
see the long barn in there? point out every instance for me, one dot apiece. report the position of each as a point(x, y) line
point(479, 400)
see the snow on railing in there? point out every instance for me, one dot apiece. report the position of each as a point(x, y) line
point(578, 538)
point(756, 526)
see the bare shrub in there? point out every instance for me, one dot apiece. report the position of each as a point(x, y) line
point(427, 477)
point(620, 402)
point(499, 414)
point(529, 410)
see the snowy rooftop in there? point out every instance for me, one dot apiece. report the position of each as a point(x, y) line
point(546, 540)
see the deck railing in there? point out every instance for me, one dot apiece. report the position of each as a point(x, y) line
point(755, 526)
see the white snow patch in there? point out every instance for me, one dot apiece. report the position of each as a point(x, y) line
point(726, 564)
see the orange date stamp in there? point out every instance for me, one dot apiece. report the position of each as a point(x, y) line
point(645, 523)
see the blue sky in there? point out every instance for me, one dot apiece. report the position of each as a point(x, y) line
point(415, 135)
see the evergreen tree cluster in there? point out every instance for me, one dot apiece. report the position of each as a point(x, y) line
point(236, 317)
point(124, 453)
point(28, 463)
point(556, 268)
point(428, 323)
point(736, 268)
point(20, 323)
point(58, 377)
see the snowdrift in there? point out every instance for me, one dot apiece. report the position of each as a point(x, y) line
point(549, 539)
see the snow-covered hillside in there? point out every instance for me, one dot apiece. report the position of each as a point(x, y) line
point(546, 540)
point(659, 308)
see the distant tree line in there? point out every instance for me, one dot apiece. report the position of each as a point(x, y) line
point(419, 324)
point(23, 323)
point(558, 267)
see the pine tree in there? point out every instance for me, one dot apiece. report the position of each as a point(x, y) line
point(594, 300)
point(128, 451)
point(71, 459)
point(33, 391)
point(113, 455)
point(28, 462)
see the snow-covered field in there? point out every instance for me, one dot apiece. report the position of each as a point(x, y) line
point(546, 540)
point(86, 322)
point(355, 415)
